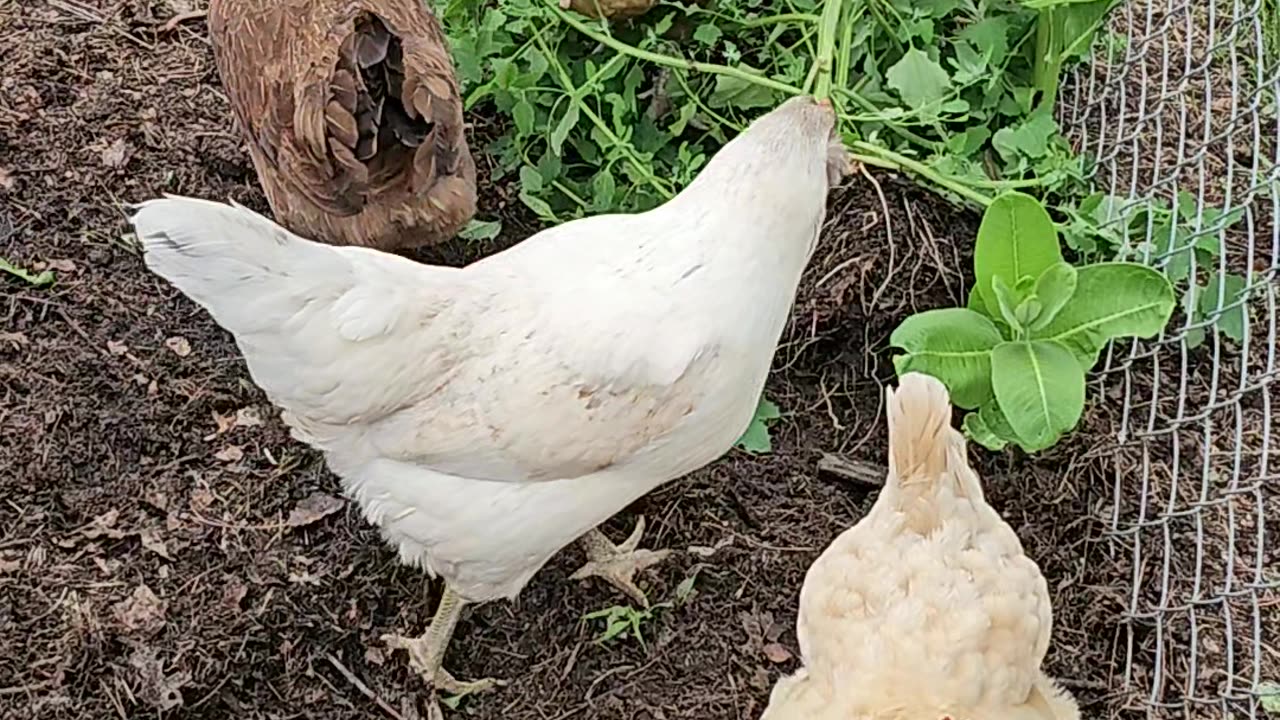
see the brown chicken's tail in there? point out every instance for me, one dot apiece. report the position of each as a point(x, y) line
point(925, 453)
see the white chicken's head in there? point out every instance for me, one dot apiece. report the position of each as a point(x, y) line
point(799, 130)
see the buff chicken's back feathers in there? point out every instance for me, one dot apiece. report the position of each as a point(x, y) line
point(927, 609)
point(352, 114)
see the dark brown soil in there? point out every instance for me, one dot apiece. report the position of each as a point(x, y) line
point(146, 558)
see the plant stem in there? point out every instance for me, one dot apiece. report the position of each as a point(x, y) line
point(567, 83)
point(825, 59)
point(926, 172)
point(670, 60)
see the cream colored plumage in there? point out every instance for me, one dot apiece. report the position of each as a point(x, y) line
point(927, 609)
point(485, 417)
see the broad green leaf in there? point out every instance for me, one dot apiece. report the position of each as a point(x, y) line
point(990, 36)
point(42, 278)
point(1174, 243)
point(1053, 289)
point(1233, 321)
point(530, 179)
point(481, 230)
point(1191, 308)
point(1007, 301)
point(953, 345)
point(564, 127)
point(707, 33)
point(756, 439)
point(740, 93)
point(1016, 239)
point(539, 207)
point(977, 430)
point(1027, 311)
point(1040, 388)
point(522, 114)
point(918, 80)
point(1269, 697)
point(1030, 138)
point(1111, 300)
point(975, 303)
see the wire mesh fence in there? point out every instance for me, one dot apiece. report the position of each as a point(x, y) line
point(1179, 110)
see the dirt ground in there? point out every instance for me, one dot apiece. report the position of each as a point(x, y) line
point(167, 551)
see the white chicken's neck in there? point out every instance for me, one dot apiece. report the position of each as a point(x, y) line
point(747, 233)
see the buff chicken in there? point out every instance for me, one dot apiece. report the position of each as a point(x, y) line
point(927, 609)
point(485, 417)
point(352, 115)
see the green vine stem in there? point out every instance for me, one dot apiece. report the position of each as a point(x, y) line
point(668, 60)
point(825, 60)
point(829, 23)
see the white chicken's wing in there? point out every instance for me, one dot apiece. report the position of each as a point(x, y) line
point(368, 352)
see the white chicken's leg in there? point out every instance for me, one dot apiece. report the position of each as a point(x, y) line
point(617, 564)
point(426, 653)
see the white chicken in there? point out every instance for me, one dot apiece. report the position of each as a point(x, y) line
point(485, 417)
point(927, 609)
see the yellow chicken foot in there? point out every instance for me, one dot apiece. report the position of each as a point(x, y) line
point(426, 653)
point(617, 564)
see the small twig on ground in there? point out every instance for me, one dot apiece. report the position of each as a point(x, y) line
point(856, 471)
point(359, 685)
point(173, 22)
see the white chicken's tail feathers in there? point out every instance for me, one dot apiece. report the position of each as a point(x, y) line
point(225, 256)
point(925, 452)
point(919, 426)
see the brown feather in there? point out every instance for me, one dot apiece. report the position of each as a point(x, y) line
point(353, 116)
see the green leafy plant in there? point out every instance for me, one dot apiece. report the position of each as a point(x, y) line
point(1034, 326)
point(626, 621)
point(598, 117)
point(39, 279)
point(1269, 697)
point(1185, 243)
point(620, 620)
point(756, 439)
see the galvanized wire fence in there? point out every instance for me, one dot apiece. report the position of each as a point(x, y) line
point(1179, 109)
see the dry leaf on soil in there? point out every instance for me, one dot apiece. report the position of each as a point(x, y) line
point(313, 508)
point(163, 692)
point(116, 155)
point(776, 653)
point(104, 525)
point(233, 593)
point(151, 541)
point(142, 612)
point(230, 453)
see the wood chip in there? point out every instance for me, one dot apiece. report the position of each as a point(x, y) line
point(179, 345)
point(142, 613)
point(867, 474)
point(313, 508)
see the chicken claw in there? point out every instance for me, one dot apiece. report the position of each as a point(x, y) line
point(617, 564)
point(426, 653)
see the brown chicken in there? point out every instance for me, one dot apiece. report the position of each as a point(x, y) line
point(609, 8)
point(352, 115)
point(927, 609)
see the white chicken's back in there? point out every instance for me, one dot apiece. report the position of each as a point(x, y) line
point(927, 608)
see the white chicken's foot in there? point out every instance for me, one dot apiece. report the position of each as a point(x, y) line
point(426, 653)
point(618, 564)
